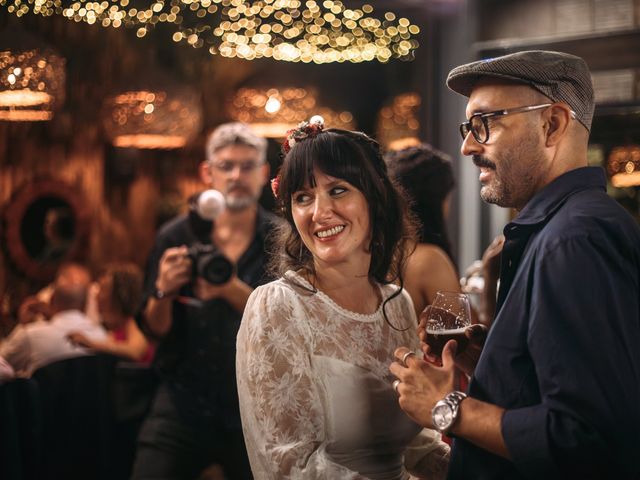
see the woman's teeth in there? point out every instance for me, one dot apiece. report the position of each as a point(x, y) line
point(330, 232)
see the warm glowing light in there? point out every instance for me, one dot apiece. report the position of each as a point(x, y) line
point(272, 105)
point(398, 125)
point(287, 30)
point(31, 80)
point(171, 121)
point(248, 105)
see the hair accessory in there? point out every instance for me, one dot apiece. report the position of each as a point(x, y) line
point(303, 131)
point(275, 185)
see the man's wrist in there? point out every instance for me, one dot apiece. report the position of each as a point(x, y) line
point(160, 293)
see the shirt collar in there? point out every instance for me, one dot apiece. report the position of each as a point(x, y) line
point(552, 196)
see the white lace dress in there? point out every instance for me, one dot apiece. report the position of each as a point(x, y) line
point(315, 389)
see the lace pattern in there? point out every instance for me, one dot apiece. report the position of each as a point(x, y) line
point(314, 385)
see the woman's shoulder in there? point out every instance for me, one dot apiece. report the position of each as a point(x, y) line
point(428, 255)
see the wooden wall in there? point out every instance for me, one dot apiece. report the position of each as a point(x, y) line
point(127, 192)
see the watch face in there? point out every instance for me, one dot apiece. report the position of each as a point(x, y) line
point(442, 416)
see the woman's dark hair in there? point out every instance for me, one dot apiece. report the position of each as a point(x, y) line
point(126, 293)
point(356, 158)
point(427, 176)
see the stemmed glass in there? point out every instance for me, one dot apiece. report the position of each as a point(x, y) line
point(446, 319)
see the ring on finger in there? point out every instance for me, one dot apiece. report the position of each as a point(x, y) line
point(407, 355)
point(395, 385)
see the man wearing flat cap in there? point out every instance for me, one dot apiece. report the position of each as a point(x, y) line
point(555, 393)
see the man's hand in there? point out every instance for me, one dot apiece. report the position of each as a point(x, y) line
point(422, 384)
point(468, 358)
point(80, 340)
point(31, 308)
point(208, 291)
point(174, 269)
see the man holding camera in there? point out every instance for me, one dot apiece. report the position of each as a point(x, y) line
point(194, 420)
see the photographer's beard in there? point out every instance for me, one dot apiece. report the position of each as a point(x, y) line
point(239, 196)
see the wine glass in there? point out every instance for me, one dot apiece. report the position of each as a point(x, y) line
point(446, 319)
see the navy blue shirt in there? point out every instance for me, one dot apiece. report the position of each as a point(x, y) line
point(563, 354)
point(196, 359)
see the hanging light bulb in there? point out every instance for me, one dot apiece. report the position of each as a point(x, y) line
point(271, 112)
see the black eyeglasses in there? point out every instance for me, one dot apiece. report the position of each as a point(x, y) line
point(478, 124)
point(245, 167)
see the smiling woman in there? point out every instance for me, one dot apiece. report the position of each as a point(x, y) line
point(314, 347)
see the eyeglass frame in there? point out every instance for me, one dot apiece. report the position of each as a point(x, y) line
point(247, 166)
point(466, 127)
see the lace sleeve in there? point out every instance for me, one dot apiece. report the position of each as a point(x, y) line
point(427, 456)
point(282, 414)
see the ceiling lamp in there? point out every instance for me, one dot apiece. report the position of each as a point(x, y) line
point(271, 112)
point(32, 78)
point(398, 125)
point(623, 166)
point(290, 30)
point(160, 115)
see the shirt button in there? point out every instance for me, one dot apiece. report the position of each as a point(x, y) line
point(510, 263)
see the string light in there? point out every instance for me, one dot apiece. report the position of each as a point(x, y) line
point(321, 31)
point(256, 107)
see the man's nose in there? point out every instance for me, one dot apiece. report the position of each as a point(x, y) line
point(470, 145)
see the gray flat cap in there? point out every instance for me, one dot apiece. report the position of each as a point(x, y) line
point(559, 76)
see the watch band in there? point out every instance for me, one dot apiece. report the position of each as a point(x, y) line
point(160, 294)
point(452, 401)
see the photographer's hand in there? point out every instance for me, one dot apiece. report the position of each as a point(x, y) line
point(235, 292)
point(174, 271)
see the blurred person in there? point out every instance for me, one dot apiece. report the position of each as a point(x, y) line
point(195, 420)
point(118, 299)
point(39, 343)
point(313, 348)
point(555, 393)
point(427, 177)
point(58, 230)
point(37, 307)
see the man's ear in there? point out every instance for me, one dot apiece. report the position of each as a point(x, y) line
point(205, 172)
point(558, 117)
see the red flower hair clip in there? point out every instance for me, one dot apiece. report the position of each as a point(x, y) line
point(303, 131)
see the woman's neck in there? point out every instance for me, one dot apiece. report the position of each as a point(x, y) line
point(351, 289)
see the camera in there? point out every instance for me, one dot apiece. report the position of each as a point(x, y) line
point(210, 264)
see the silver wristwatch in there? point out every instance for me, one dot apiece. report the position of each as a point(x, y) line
point(445, 411)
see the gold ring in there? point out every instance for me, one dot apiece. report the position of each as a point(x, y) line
point(407, 355)
point(395, 385)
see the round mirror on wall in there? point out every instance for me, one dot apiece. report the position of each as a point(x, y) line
point(45, 224)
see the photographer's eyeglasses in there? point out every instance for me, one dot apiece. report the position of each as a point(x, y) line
point(245, 167)
point(478, 124)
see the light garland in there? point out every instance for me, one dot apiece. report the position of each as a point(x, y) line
point(320, 31)
point(272, 112)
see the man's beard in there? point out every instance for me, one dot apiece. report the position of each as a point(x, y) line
point(236, 203)
point(493, 192)
point(520, 172)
